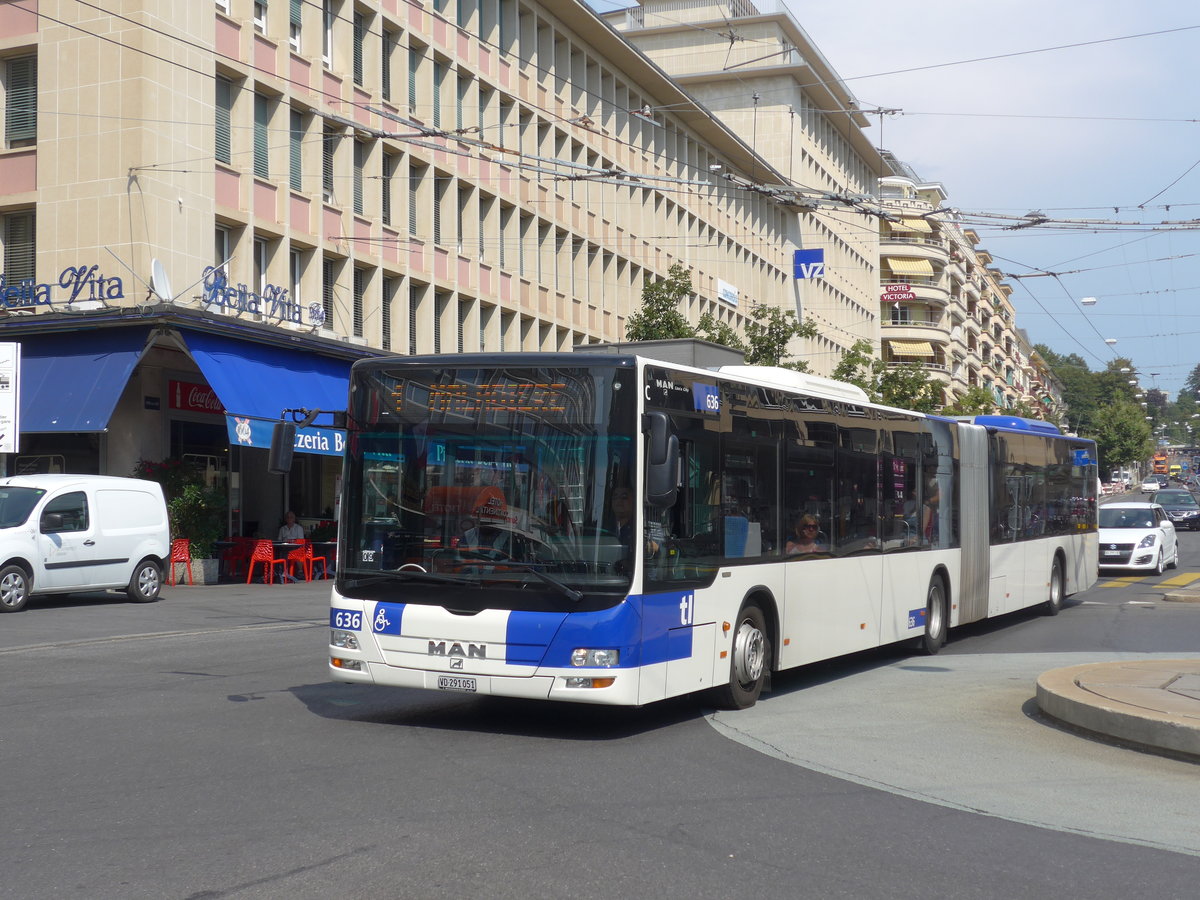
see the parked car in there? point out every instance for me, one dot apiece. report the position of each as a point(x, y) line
point(65, 533)
point(1151, 485)
point(1181, 507)
point(1137, 535)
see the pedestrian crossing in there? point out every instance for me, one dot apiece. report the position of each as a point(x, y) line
point(1183, 579)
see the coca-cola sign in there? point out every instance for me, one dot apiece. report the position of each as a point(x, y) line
point(193, 398)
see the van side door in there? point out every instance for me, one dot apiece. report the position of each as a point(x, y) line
point(66, 542)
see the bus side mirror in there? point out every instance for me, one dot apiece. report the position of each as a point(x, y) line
point(283, 444)
point(662, 462)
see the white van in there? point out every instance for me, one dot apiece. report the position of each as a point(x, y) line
point(63, 533)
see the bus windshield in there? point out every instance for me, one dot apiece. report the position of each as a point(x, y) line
point(476, 488)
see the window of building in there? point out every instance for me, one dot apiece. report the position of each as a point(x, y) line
point(224, 111)
point(360, 156)
point(221, 250)
point(385, 312)
point(20, 246)
point(386, 48)
point(360, 36)
point(223, 6)
point(387, 170)
point(414, 301)
point(295, 20)
point(360, 292)
point(262, 141)
point(328, 146)
point(20, 101)
point(296, 275)
point(328, 15)
point(260, 16)
point(328, 282)
point(296, 151)
point(262, 259)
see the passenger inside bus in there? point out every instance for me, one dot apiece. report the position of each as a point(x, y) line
point(806, 537)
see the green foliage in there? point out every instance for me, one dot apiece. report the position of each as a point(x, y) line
point(907, 386)
point(1123, 435)
point(659, 318)
point(768, 331)
point(194, 511)
point(718, 332)
point(198, 514)
point(976, 401)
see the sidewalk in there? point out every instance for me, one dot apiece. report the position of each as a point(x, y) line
point(1154, 704)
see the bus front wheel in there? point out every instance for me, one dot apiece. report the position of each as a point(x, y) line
point(749, 661)
point(936, 620)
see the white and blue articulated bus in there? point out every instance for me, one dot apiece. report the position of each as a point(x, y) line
point(609, 528)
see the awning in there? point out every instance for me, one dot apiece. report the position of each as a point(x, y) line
point(256, 382)
point(903, 265)
point(71, 382)
point(911, 225)
point(911, 348)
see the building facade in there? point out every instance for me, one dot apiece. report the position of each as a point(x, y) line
point(752, 65)
point(944, 306)
point(215, 208)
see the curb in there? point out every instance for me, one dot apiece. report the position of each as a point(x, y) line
point(1123, 701)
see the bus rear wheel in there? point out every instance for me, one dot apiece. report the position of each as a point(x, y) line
point(749, 661)
point(936, 620)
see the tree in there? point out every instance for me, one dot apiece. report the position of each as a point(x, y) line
point(712, 329)
point(907, 386)
point(768, 332)
point(659, 318)
point(976, 401)
point(1122, 435)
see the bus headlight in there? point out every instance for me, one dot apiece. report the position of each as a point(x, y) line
point(602, 658)
point(344, 640)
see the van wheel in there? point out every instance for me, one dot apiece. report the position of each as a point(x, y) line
point(146, 583)
point(749, 663)
point(14, 589)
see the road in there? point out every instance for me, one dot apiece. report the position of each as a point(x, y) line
point(194, 749)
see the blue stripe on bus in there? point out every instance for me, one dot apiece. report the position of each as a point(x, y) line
point(647, 629)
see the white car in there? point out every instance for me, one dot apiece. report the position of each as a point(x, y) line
point(1150, 486)
point(1137, 536)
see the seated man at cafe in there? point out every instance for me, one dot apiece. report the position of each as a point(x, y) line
point(291, 530)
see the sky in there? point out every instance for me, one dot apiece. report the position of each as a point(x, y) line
point(1082, 113)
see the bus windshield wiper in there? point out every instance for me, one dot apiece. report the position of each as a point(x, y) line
point(417, 574)
point(570, 593)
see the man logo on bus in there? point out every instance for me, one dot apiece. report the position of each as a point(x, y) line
point(687, 609)
point(473, 651)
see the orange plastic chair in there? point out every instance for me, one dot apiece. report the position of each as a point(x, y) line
point(309, 559)
point(181, 552)
point(264, 552)
point(299, 557)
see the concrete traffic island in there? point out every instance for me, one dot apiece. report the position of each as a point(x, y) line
point(1154, 703)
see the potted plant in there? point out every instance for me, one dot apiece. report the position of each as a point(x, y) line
point(198, 514)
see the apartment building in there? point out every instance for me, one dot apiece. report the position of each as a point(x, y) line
point(209, 210)
point(752, 65)
point(944, 305)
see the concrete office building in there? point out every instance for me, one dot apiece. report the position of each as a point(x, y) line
point(208, 210)
point(754, 67)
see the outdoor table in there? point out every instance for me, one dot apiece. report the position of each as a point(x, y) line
point(282, 549)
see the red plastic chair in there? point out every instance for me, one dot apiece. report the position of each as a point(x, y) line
point(299, 558)
point(181, 552)
point(264, 552)
point(238, 555)
point(309, 559)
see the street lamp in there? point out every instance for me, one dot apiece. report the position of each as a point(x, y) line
point(1087, 301)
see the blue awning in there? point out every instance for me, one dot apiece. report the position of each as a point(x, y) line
point(71, 382)
point(259, 381)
